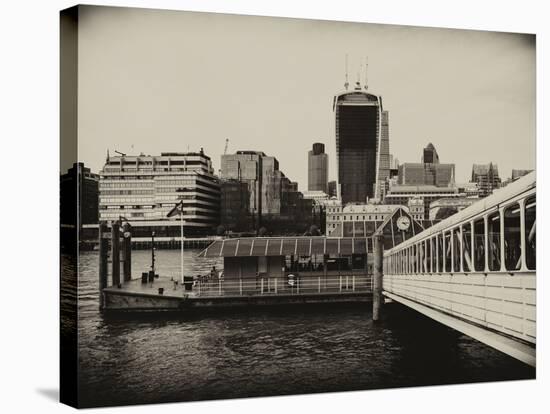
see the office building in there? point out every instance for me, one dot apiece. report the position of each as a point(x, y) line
point(235, 212)
point(487, 178)
point(362, 144)
point(429, 172)
point(317, 168)
point(274, 200)
point(402, 194)
point(332, 192)
point(79, 196)
point(144, 188)
point(446, 207)
point(355, 220)
point(430, 155)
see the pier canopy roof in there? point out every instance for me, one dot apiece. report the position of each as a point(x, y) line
point(281, 246)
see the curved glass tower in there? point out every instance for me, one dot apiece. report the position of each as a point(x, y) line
point(361, 156)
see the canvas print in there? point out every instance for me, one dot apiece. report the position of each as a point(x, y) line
point(259, 206)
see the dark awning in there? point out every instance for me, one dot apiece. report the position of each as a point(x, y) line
point(280, 246)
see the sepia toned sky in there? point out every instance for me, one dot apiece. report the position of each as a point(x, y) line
point(152, 81)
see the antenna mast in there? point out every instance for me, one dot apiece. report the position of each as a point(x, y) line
point(346, 85)
point(367, 73)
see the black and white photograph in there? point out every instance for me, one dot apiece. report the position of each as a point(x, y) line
point(254, 206)
point(268, 206)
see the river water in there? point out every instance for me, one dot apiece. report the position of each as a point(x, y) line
point(258, 352)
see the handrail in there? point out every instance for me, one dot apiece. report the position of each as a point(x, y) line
point(269, 286)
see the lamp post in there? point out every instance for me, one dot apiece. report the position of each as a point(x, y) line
point(181, 235)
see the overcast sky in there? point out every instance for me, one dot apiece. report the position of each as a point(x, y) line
point(152, 81)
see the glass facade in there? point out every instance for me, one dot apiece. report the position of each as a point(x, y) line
point(358, 124)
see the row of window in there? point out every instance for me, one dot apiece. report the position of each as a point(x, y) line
point(358, 218)
point(503, 240)
point(126, 192)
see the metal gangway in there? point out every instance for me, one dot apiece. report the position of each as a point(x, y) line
point(476, 270)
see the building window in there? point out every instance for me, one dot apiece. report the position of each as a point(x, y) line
point(479, 245)
point(494, 241)
point(466, 248)
point(512, 238)
point(530, 232)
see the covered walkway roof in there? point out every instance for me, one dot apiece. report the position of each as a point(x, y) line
point(281, 246)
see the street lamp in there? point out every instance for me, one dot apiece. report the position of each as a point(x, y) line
point(178, 209)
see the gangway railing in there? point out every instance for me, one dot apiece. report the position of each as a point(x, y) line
point(265, 286)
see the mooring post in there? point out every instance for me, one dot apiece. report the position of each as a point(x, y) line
point(103, 267)
point(127, 251)
point(115, 252)
point(378, 274)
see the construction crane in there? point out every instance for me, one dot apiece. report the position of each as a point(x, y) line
point(224, 152)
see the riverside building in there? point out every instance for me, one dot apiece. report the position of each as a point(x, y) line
point(144, 188)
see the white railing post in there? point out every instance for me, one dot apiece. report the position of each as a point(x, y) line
point(262, 286)
point(241, 287)
point(297, 285)
point(219, 287)
point(340, 283)
point(353, 282)
point(319, 283)
point(199, 288)
point(347, 283)
point(275, 285)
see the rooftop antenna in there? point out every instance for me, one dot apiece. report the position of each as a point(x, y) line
point(367, 73)
point(346, 85)
point(358, 83)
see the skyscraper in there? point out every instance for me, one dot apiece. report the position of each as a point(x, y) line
point(362, 144)
point(487, 178)
point(430, 155)
point(317, 168)
point(428, 172)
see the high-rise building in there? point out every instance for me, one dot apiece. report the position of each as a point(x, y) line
point(332, 192)
point(79, 196)
point(361, 157)
point(317, 168)
point(487, 178)
point(274, 200)
point(234, 205)
point(430, 155)
point(144, 188)
point(429, 172)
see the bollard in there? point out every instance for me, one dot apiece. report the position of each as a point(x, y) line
point(127, 252)
point(378, 274)
point(103, 266)
point(115, 252)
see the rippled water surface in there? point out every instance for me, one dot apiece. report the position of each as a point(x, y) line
point(255, 352)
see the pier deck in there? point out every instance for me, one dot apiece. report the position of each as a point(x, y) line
point(134, 295)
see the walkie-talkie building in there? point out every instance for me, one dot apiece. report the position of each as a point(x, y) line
point(361, 156)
